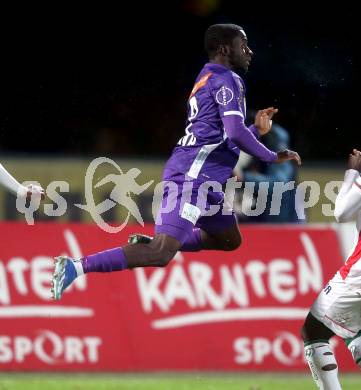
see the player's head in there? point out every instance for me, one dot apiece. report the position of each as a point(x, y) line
point(228, 43)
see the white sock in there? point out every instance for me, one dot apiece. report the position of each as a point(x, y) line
point(78, 267)
point(323, 365)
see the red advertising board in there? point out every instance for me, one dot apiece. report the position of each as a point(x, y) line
point(208, 310)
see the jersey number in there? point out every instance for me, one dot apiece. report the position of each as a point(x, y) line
point(189, 139)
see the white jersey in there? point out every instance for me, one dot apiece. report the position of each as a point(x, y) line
point(338, 306)
point(348, 208)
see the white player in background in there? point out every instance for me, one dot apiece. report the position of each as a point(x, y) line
point(337, 309)
point(9, 182)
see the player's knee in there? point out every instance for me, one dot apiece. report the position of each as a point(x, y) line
point(313, 329)
point(234, 243)
point(162, 253)
point(162, 257)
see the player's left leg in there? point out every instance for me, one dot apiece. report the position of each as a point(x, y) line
point(319, 356)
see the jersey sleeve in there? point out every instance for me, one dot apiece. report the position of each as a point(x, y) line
point(348, 201)
point(229, 97)
point(10, 182)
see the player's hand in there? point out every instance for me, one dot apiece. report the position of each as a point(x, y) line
point(263, 120)
point(34, 190)
point(354, 160)
point(287, 155)
point(237, 175)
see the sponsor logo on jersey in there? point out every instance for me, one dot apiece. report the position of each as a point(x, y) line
point(224, 95)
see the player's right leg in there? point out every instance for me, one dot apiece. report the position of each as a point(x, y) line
point(66, 270)
point(175, 230)
point(171, 233)
point(158, 253)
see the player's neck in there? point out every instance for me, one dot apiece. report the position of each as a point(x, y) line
point(221, 60)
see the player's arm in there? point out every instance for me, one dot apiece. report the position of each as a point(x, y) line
point(348, 201)
point(263, 122)
point(15, 187)
point(227, 97)
point(240, 135)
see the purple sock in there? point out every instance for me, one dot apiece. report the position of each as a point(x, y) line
point(106, 261)
point(193, 243)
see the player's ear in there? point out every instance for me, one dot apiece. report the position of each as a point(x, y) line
point(223, 50)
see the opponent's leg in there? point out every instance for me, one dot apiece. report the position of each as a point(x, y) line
point(354, 346)
point(319, 355)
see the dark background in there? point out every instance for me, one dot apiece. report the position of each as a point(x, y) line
point(115, 81)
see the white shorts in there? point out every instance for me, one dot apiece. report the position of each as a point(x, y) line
point(338, 306)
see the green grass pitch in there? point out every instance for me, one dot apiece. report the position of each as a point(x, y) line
point(201, 381)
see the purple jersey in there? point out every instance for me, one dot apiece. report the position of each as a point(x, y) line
point(206, 152)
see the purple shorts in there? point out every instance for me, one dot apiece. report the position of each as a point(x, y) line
point(187, 205)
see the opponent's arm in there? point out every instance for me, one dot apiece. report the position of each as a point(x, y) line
point(348, 201)
point(15, 187)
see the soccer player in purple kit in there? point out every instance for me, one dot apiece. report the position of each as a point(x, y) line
point(215, 133)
